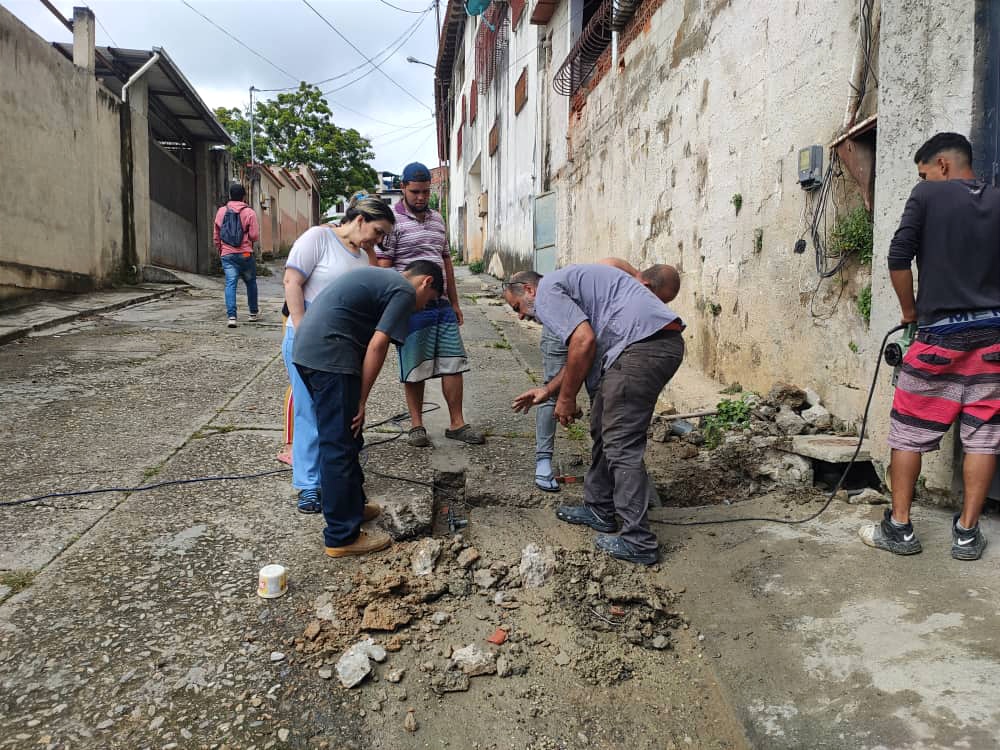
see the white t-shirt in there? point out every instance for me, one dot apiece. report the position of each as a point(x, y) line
point(321, 257)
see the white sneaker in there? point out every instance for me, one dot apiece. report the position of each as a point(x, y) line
point(232, 323)
point(254, 317)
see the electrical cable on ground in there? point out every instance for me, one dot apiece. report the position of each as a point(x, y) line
point(396, 419)
point(840, 482)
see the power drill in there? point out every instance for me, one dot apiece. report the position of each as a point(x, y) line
point(895, 351)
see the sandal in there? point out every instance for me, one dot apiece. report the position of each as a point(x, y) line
point(546, 482)
point(418, 438)
point(285, 457)
point(467, 434)
point(309, 501)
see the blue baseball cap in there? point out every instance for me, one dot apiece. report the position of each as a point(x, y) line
point(416, 172)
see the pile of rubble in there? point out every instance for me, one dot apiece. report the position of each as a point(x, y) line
point(358, 628)
point(788, 410)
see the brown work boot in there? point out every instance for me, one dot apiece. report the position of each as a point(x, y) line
point(367, 541)
point(371, 512)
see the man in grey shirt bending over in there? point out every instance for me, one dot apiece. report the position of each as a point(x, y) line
point(620, 337)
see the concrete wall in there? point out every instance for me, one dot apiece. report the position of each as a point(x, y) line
point(60, 152)
point(710, 100)
point(927, 84)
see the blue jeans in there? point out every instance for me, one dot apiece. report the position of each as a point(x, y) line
point(305, 440)
point(237, 267)
point(553, 359)
point(336, 397)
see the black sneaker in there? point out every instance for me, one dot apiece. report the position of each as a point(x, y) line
point(585, 516)
point(966, 545)
point(619, 548)
point(900, 540)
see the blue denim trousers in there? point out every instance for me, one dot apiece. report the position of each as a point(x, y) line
point(237, 267)
point(336, 397)
point(305, 443)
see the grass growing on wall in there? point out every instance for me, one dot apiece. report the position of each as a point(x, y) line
point(477, 266)
point(865, 303)
point(853, 234)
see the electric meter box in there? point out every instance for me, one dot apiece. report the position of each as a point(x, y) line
point(811, 167)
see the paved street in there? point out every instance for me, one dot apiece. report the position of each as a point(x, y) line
point(130, 619)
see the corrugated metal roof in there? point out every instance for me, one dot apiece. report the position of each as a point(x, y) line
point(176, 113)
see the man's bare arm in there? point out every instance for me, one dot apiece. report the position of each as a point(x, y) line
point(902, 284)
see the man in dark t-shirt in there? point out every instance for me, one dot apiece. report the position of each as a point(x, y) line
point(951, 225)
point(340, 347)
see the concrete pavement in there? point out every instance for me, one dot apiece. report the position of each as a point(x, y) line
point(130, 619)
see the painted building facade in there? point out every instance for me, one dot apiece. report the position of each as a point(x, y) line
point(672, 132)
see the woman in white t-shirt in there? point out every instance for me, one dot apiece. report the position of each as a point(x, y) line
point(322, 254)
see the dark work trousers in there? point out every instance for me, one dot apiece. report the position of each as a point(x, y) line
point(622, 408)
point(335, 398)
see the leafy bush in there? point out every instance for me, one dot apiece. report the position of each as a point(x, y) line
point(865, 303)
point(477, 266)
point(853, 233)
point(731, 414)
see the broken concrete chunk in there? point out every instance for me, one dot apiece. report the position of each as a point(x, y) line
point(484, 578)
point(425, 555)
point(395, 675)
point(451, 681)
point(536, 566)
point(406, 519)
point(812, 398)
point(562, 659)
point(474, 661)
point(789, 422)
point(440, 618)
point(353, 667)
point(325, 609)
point(468, 556)
point(818, 417)
point(786, 469)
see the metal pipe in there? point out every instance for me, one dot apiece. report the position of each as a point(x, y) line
point(138, 74)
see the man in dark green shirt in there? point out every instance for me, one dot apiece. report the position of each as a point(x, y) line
point(340, 347)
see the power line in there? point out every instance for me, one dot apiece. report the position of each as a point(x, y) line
point(399, 43)
point(106, 32)
point(356, 49)
point(389, 48)
point(396, 7)
point(245, 46)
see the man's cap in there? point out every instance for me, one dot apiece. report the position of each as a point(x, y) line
point(416, 172)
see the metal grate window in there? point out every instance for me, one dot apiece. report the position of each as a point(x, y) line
point(583, 58)
point(491, 43)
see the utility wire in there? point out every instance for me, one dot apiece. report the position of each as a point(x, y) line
point(387, 49)
point(358, 50)
point(395, 49)
point(404, 10)
point(106, 33)
point(245, 46)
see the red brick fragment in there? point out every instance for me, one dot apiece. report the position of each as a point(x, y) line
point(498, 637)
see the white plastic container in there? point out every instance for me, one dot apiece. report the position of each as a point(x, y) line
point(272, 581)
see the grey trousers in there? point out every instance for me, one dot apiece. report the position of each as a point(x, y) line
point(553, 359)
point(622, 408)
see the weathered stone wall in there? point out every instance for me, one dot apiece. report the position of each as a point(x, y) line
point(60, 151)
point(711, 100)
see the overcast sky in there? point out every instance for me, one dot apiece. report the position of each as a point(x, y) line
point(292, 37)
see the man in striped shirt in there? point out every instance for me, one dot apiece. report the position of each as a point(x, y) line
point(433, 347)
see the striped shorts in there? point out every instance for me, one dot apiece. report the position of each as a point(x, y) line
point(945, 377)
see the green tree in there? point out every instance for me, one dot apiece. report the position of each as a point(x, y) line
point(297, 127)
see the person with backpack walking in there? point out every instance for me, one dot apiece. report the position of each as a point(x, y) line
point(235, 231)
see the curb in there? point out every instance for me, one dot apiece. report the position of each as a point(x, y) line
point(20, 333)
